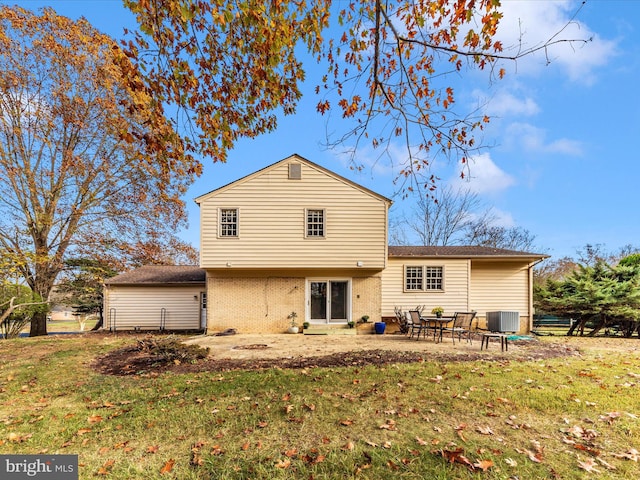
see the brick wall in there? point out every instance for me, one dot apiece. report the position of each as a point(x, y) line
point(261, 305)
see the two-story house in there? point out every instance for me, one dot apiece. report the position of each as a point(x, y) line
point(296, 237)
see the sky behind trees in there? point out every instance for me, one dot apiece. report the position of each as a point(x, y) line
point(561, 161)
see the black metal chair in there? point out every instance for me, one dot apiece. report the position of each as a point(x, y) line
point(462, 322)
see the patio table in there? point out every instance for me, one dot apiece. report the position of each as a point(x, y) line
point(438, 324)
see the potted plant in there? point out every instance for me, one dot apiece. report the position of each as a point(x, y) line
point(364, 318)
point(351, 323)
point(437, 311)
point(293, 328)
point(305, 325)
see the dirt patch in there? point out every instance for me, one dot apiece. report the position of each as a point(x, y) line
point(237, 354)
point(259, 346)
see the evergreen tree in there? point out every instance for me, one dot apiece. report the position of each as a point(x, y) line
point(603, 295)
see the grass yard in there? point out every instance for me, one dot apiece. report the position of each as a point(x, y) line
point(566, 418)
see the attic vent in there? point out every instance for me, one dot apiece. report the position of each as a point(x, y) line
point(295, 171)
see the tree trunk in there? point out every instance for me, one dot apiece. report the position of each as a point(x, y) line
point(575, 326)
point(38, 325)
point(100, 321)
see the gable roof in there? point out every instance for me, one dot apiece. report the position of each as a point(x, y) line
point(463, 252)
point(300, 159)
point(161, 275)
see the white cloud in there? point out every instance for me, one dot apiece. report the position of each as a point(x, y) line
point(502, 218)
point(527, 25)
point(524, 136)
point(484, 176)
point(505, 103)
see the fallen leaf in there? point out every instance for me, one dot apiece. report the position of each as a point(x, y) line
point(587, 449)
point(286, 463)
point(152, 449)
point(588, 465)
point(610, 417)
point(456, 456)
point(168, 466)
point(631, 454)
point(291, 452)
point(421, 441)
point(608, 466)
point(483, 465)
point(484, 430)
point(94, 419)
point(348, 446)
point(105, 469)
point(511, 462)
point(346, 422)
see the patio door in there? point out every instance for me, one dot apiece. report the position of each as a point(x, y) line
point(329, 301)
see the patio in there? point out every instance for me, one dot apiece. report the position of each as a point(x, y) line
point(276, 346)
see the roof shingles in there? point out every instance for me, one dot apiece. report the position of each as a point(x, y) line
point(160, 274)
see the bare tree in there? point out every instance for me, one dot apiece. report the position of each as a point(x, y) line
point(440, 220)
point(483, 233)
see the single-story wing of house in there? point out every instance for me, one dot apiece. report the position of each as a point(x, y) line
point(155, 297)
point(295, 237)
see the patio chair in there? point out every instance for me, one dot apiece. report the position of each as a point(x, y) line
point(417, 324)
point(461, 326)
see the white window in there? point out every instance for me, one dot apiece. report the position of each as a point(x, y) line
point(228, 222)
point(413, 278)
point(423, 278)
point(315, 223)
point(433, 278)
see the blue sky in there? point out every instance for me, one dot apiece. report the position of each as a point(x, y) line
point(563, 159)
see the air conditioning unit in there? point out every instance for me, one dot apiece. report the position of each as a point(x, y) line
point(503, 321)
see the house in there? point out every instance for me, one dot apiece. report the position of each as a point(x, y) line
point(296, 237)
point(156, 297)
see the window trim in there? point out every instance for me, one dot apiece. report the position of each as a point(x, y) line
point(220, 224)
point(324, 223)
point(423, 268)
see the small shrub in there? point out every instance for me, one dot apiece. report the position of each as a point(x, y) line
point(171, 349)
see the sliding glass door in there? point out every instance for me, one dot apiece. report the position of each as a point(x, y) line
point(329, 301)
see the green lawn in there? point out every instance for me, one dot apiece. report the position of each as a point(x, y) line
point(558, 418)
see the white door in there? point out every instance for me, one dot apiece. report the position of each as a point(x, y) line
point(203, 310)
point(329, 301)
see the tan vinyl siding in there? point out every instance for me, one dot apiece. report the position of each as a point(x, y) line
point(272, 209)
point(452, 298)
point(140, 307)
point(501, 286)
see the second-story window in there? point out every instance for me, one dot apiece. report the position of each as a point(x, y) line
point(228, 222)
point(315, 223)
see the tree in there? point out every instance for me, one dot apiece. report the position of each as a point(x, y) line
point(442, 218)
point(388, 69)
point(456, 217)
point(81, 286)
point(599, 293)
point(85, 149)
point(18, 305)
point(483, 233)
